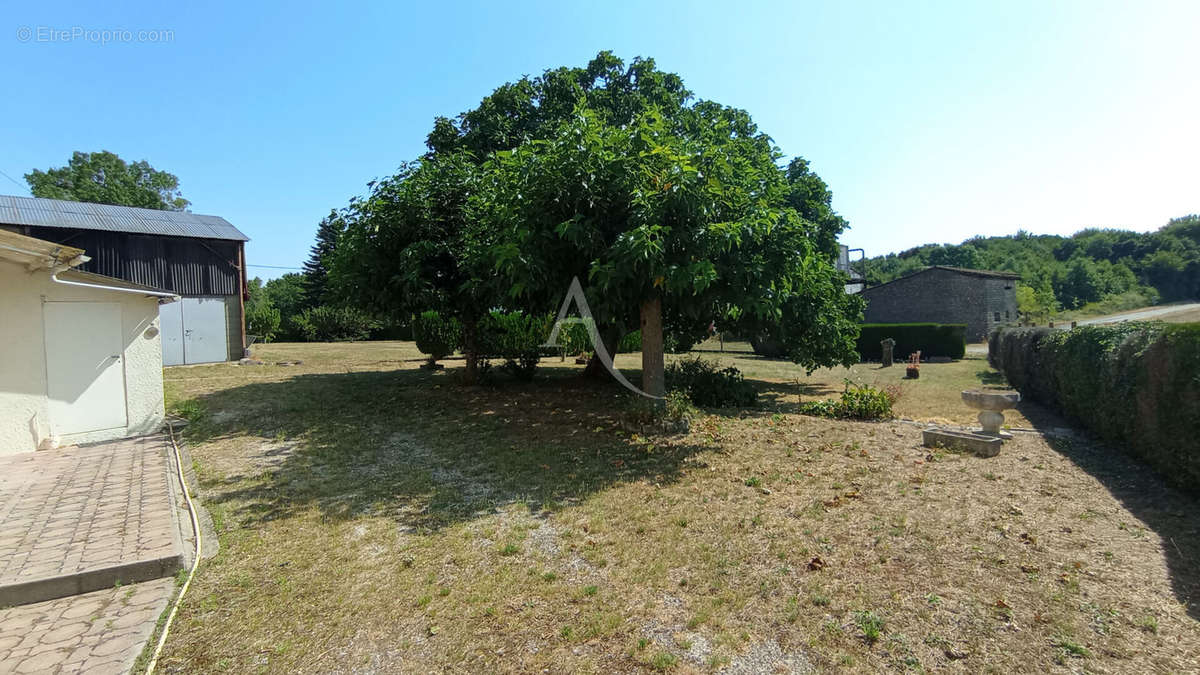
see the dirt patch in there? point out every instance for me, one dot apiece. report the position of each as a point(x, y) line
point(769, 657)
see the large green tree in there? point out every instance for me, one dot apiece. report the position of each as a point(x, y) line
point(672, 212)
point(104, 178)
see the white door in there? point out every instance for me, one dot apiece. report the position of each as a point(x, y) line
point(85, 374)
point(170, 321)
point(204, 336)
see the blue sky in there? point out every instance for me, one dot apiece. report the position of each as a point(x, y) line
point(931, 122)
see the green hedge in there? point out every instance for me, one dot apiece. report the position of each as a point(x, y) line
point(436, 335)
point(515, 337)
point(931, 339)
point(1136, 384)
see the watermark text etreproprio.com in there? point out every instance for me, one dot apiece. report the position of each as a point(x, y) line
point(101, 36)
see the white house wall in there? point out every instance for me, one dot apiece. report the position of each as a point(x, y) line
point(24, 410)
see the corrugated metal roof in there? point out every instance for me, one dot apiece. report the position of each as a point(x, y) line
point(38, 212)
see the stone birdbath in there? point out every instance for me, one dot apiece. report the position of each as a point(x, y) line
point(992, 405)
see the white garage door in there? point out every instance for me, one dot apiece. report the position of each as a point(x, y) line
point(204, 336)
point(193, 331)
point(85, 376)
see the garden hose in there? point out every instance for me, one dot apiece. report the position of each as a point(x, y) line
point(162, 639)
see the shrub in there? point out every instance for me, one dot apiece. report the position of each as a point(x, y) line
point(574, 338)
point(859, 402)
point(931, 339)
point(1136, 298)
point(632, 342)
point(436, 335)
point(262, 321)
point(517, 338)
point(675, 413)
point(335, 324)
point(1132, 383)
point(707, 385)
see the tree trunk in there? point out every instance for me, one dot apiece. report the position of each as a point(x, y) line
point(471, 350)
point(653, 377)
point(611, 336)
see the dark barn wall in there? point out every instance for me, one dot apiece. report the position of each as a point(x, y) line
point(944, 296)
point(183, 265)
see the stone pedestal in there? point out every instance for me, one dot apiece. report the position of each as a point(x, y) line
point(991, 405)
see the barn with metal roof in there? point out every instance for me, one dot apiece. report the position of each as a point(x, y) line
point(200, 258)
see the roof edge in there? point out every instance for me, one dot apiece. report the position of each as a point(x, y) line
point(984, 274)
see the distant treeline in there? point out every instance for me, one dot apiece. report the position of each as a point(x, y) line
point(1097, 270)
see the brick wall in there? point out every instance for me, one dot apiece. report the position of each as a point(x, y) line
point(945, 296)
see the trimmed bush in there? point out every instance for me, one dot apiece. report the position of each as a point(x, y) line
point(1135, 384)
point(517, 338)
point(858, 402)
point(335, 324)
point(436, 335)
point(709, 386)
point(931, 339)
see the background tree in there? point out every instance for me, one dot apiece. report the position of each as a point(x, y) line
point(320, 258)
point(813, 200)
point(104, 178)
point(262, 319)
point(284, 295)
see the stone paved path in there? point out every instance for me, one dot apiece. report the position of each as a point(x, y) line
point(72, 509)
point(85, 519)
point(99, 632)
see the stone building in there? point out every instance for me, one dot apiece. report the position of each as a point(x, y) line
point(979, 298)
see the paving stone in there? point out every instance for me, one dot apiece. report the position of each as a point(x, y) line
point(110, 644)
point(102, 666)
point(40, 663)
point(63, 633)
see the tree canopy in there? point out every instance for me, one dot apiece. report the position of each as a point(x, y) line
point(104, 178)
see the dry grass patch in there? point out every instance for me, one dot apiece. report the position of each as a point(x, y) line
point(414, 525)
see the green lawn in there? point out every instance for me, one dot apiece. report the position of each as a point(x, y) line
point(378, 517)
